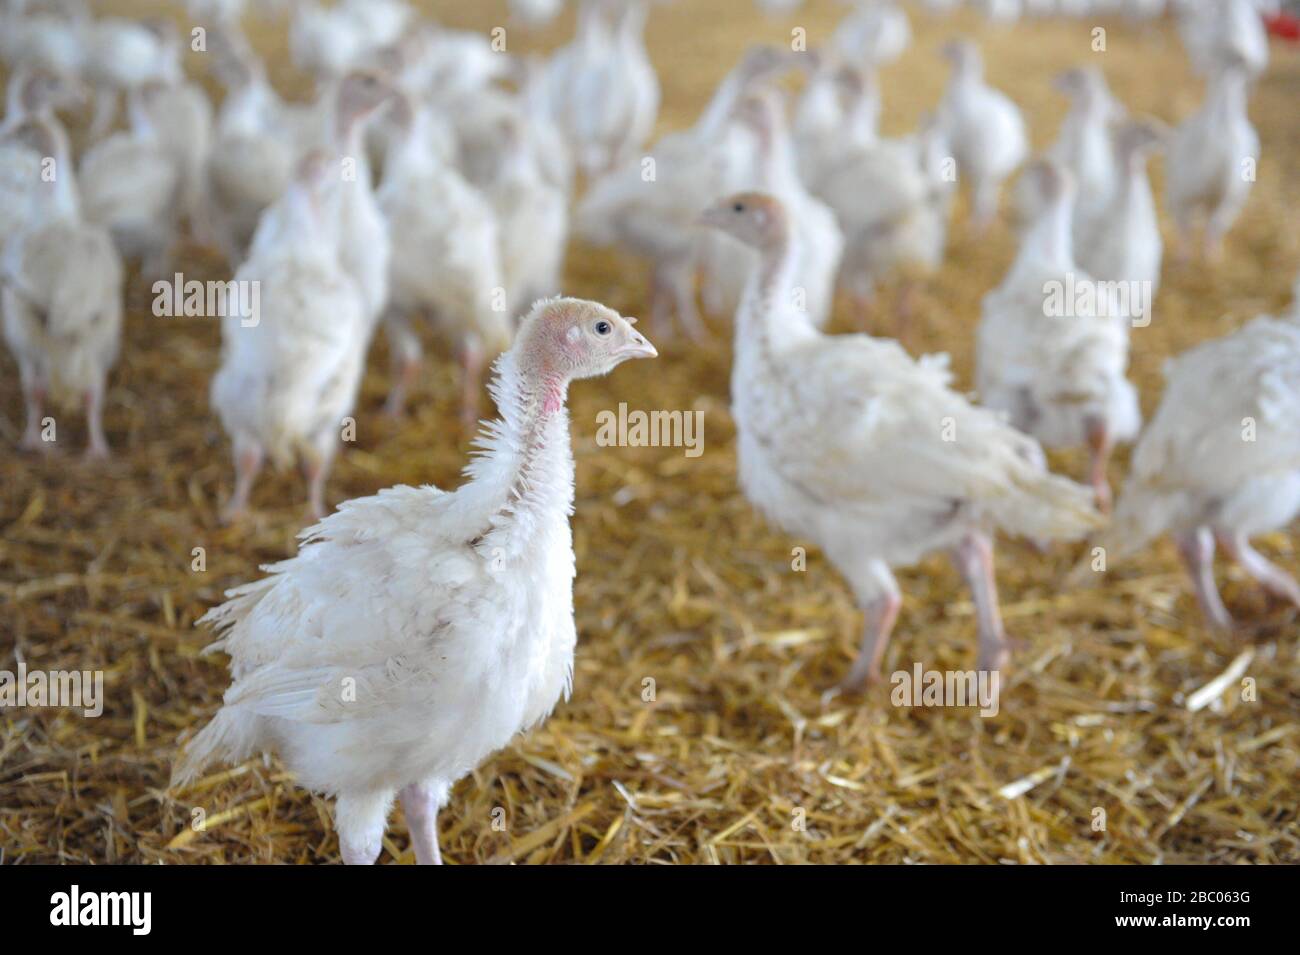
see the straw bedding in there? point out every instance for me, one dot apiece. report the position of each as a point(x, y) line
point(700, 729)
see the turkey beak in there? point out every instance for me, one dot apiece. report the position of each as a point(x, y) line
point(637, 346)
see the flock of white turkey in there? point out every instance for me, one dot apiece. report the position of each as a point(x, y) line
point(435, 178)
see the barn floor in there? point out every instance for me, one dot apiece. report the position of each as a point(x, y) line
point(741, 755)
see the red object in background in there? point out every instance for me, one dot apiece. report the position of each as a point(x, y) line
point(1283, 25)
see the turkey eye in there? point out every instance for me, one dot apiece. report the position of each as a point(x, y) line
point(603, 327)
point(739, 207)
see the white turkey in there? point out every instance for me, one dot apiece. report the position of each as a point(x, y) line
point(838, 113)
point(1122, 242)
point(182, 117)
point(290, 367)
point(1052, 346)
point(846, 442)
point(484, 121)
point(554, 157)
point(601, 89)
point(1220, 460)
point(651, 205)
point(124, 55)
point(50, 41)
point(639, 82)
point(1210, 165)
point(892, 202)
point(62, 299)
point(445, 264)
point(458, 74)
point(380, 21)
point(453, 63)
point(31, 190)
point(749, 154)
point(365, 248)
point(328, 42)
point(132, 183)
point(532, 218)
point(818, 240)
point(568, 90)
point(405, 65)
point(251, 160)
point(1084, 146)
point(1218, 32)
point(417, 631)
point(984, 128)
point(875, 33)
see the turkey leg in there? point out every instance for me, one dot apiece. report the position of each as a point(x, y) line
point(974, 560)
point(1197, 550)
